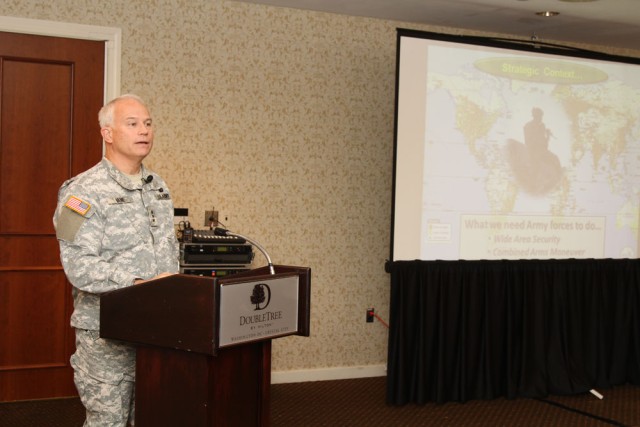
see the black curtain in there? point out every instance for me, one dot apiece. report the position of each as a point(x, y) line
point(462, 330)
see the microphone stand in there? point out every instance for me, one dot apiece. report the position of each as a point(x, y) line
point(223, 232)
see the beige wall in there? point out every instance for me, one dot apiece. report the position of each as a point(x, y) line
point(282, 119)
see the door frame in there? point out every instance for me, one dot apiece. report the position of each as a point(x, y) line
point(112, 37)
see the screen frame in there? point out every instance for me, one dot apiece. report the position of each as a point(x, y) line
point(533, 46)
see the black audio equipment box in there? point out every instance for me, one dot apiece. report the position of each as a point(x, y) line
point(211, 271)
point(215, 253)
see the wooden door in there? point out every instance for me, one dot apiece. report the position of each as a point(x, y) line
point(50, 92)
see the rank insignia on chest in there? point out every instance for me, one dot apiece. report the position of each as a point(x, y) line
point(78, 205)
point(163, 196)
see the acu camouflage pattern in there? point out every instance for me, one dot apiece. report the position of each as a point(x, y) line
point(104, 373)
point(116, 242)
point(126, 234)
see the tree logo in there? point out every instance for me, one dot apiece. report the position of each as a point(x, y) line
point(261, 296)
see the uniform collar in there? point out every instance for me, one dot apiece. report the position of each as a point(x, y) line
point(120, 177)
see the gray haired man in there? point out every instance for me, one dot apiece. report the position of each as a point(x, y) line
point(114, 224)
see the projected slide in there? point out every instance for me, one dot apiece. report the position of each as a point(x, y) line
point(505, 154)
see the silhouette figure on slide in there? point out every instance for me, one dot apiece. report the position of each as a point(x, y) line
point(536, 169)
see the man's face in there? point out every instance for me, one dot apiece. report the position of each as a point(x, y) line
point(130, 137)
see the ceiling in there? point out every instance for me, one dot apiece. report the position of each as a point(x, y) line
point(613, 23)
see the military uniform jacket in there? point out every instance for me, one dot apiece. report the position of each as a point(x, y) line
point(112, 231)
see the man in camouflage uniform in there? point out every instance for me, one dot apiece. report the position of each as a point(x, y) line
point(114, 224)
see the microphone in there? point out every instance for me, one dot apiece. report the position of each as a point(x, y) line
point(218, 231)
point(147, 179)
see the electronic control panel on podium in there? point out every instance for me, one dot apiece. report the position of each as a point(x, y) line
point(202, 253)
point(213, 270)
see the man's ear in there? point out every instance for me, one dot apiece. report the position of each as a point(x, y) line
point(106, 134)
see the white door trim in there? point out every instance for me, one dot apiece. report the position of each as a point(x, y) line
point(110, 35)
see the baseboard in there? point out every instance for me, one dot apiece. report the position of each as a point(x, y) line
point(342, 373)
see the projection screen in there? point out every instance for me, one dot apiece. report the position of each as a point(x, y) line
point(509, 150)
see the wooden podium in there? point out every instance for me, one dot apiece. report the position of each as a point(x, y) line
point(204, 344)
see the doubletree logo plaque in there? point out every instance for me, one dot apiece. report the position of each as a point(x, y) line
point(258, 310)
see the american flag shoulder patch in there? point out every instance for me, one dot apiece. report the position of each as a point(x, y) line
point(78, 205)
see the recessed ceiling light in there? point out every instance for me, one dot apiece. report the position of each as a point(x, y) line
point(548, 13)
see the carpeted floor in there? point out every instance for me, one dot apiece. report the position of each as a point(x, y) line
point(361, 402)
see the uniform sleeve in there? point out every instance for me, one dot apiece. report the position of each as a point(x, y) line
point(169, 263)
point(80, 233)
